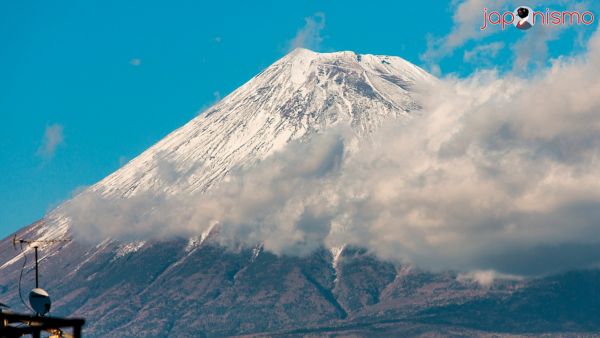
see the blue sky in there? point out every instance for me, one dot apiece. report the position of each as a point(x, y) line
point(87, 85)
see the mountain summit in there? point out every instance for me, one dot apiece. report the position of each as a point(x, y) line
point(302, 93)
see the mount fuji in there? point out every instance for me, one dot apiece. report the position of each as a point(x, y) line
point(195, 287)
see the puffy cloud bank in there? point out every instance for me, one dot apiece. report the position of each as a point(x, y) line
point(498, 173)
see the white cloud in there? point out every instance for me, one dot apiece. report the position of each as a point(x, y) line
point(52, 139)
point(309, 36)
point(496, 174)
point(467, 22)
point(532, 49)
point(467, 19)
point(483, 54)
point(484, 278)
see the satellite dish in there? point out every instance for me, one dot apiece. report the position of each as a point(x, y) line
point(40, 301)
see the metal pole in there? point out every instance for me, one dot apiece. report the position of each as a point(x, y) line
point(36, 267)
point(76, 331)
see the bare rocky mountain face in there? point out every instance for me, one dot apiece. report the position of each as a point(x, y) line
point(182, 287)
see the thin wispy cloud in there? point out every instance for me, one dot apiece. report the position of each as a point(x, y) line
point(309, 36)
point(483, 54)
point(123, 160)
point(467, 21)
point(467, 18)
point(52, 139)
point(135, 62)
point(216, 98)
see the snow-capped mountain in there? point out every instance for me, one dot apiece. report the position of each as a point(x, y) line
point(304, 92)
point(300, 94)
point(192, 287)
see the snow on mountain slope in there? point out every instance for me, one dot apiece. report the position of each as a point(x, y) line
point(299, 94)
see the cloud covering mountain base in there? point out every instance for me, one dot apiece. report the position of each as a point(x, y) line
point(496, 172)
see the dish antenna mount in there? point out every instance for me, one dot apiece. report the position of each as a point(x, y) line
point(38, 297)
